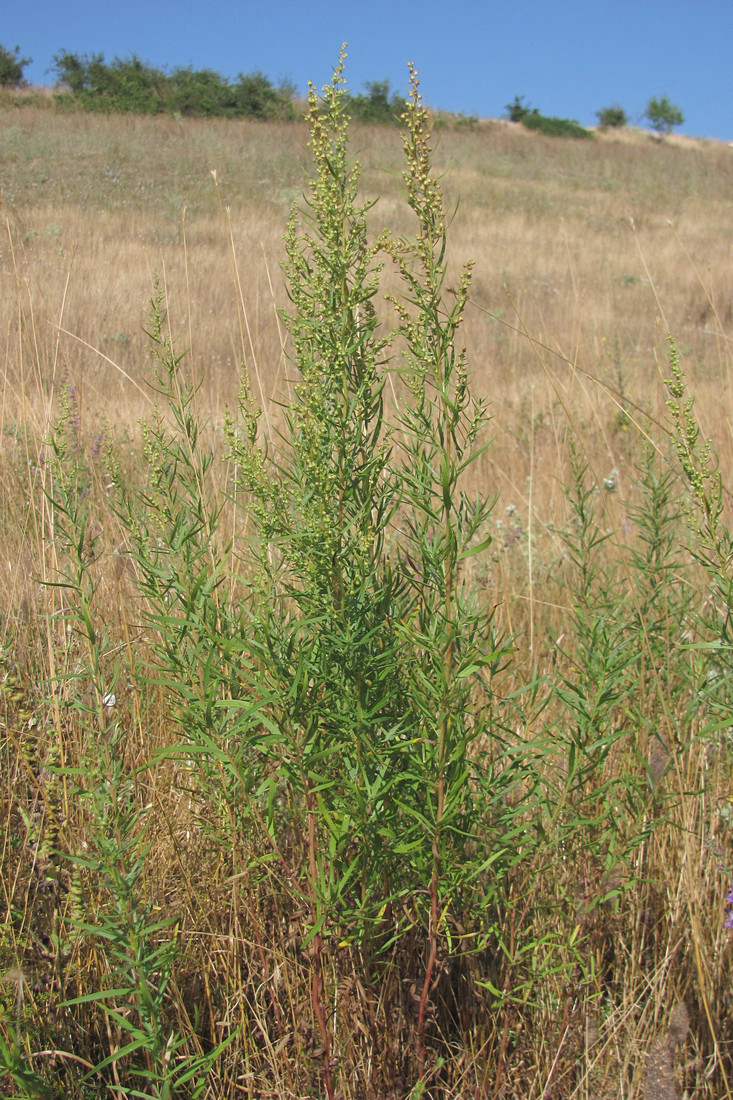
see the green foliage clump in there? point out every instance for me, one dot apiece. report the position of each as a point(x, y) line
point(613, 117)
point(124, 85)
point(663, 115)
point(131, 85)
point(555, 127)
point(378, 106)
point(197, 93)
point(203, 93)
point(519, 111)
point(11, 67)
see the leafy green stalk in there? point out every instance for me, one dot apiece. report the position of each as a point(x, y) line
point(443, 625)
point(323, 625)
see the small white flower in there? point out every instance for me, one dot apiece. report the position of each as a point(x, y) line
point(610, 482)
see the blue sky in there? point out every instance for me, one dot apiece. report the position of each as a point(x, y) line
point(566, 57)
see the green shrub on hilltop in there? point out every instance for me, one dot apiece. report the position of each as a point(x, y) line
point(132, 85)
point(11, 67)
point(663, 115)
point(555, 127)
point(613, 117)
point(377, 106)
point(255, 97)
point(203, 93)
point(519, 111)
point(196, 92)
point(123, 85)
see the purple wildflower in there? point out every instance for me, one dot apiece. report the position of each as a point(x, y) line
point(729, 911)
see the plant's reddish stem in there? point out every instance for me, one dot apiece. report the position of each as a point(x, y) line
point(433, 940)
point(317, 969)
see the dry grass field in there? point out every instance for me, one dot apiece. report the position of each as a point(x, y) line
point(587, 254)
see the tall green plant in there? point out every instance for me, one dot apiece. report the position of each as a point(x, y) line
point(323, 628)
point(662, 604)
point(138, 949)
point(712, 545)
point(376, 658)
point(194, 624)
point(601, 795)
point(456, 813)
point(337, 690)
point(712, 548)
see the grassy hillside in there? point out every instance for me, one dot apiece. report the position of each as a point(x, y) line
point(583, 246)
point(219, 643)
